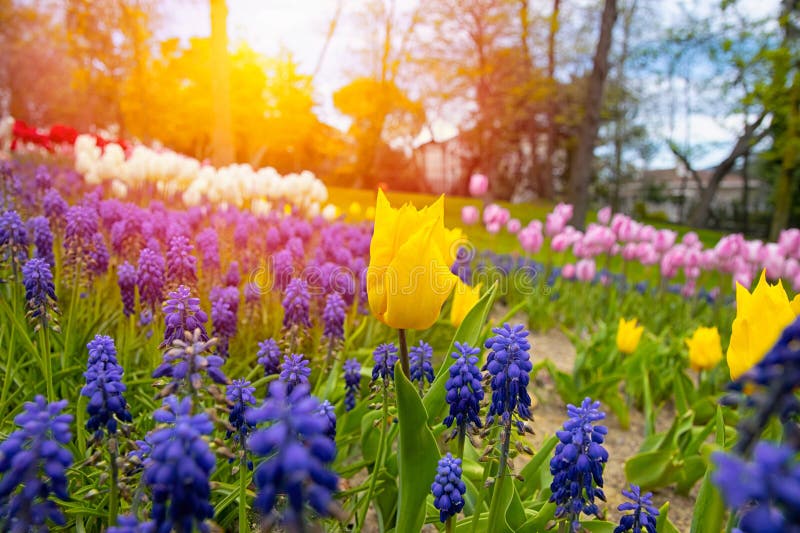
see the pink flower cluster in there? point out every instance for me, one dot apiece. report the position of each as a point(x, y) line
point(618, 234)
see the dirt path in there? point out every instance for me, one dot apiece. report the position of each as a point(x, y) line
point(550, 412)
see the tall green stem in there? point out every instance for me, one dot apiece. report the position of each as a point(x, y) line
point(378, 458)
point(494, 508)
point(243, 525)
point(47, 363)
point(401, 334)
point(113, 494)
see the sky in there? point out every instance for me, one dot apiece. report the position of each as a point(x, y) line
point(300, 26)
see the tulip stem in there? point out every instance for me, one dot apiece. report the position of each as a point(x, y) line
point(401, 333)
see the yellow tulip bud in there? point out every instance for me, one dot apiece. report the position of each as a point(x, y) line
point(628, 335)
point(355, 210)
point(760, 319)
point(464, 299)
point(705, 349)
point(409, 276)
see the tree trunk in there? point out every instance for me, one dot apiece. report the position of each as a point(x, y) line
point(746, 194)
point(546, 177)
point(784, 189)
point(699, 215)
point(223, 147)
point(581, 170)
point(621, 111)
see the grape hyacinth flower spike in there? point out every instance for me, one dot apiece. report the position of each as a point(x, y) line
point(33, 467)
point(642, 516)
point(578, 464)
point(40, 294)
point(104, 388)
point(295, 371)
point(509, 366)
point(420, 362)
point(126, 279)
point(240, 395)
point(385, 356)
point(187, 362)
point(297, 453)
point(269, 357)
point(352, 382)
point(179, 467)
point(464, 390)
point(182, 313)
point(448, 489)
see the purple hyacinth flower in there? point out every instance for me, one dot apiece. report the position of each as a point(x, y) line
point(509, 365)
point(352, 382)
point(297, 453)
point(40, 292)
point(295, 370)
point(33, 467)
point(448, 489)
point(181, 264)
point(182, 313)
point(224, 315)
point(208, 246)
point(150, 279)
point(464, 390)
point(126, 279)
point(42, 239)
point(578, 464)
point(188, 361)
point(104, 388)
point(385, 356)
point(333, 317)
point(13, 240)
point(179, 468)
point(420, 363)
point(642, 513)
point(269, 356)
point(296, 305)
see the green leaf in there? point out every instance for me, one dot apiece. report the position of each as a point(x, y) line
point(709, 511)
point(538, 522)
point(663, 524)
point(651, 469)
point(532, 473)
point(469, 332)
point(720, 427)
point(370, 435)
point(417, 457)
point(693, 469)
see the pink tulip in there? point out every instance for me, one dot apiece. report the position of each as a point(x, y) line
point(617, 221)
point(531, 237)
point(646, 233)
point(630, 251)
point(604, 215)
point(496, 215)
point(470, 215)
point(743, 278)
point(789, 242)
point(672, 261)
point(796, 282)
point(688, 288)
point(478, 185)
point(514, 225)
point(494, 228)
point(568, 271)
point(690, 239)
point(791, 268)
point(557, 220)
point(663, 240)
point(773, 261)
point(585, 270)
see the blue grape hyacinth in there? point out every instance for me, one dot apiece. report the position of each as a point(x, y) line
point(464, 390)
point(40, 293)
point(126, 280)
point(352, 382)
point(420, 363)
point(333, 317)
point(765, 491)
point(182, 313)
point(578, 463)
point(642, 514)
point(385, 357)
point(269, 357)
point(448, 488)
point(131, 524)
point(179, 467)
point(326, 409)
point(188, 361)
point(295, 370)
point(33, 467)
point(42, 239)
point(240, 395)
point(509, 366)
point(296, 304)
point(104, 388)
point(297, 453)
point(13, 239)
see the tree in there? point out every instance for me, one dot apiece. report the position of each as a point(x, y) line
point(223, 146)
point(581, 165)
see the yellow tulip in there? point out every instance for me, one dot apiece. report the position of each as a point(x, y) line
point(464, 299)
point(628, 335)
point(369, 213)
point(705, 348)
point(760, 319)
point(355, 210)
point(409, 276)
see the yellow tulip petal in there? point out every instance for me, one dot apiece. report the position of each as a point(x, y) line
point(464, 299)
point(418, 281)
